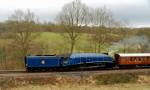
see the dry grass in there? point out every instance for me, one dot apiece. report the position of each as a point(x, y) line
point(116, 78)
point(87, 87)
point(144, 79)
point(12, 82)
point(74, 83)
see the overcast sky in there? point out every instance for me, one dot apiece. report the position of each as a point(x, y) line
point(135, 12)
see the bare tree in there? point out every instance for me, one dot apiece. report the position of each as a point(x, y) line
point(23, 25)
point(102, 20)
point(72, 17)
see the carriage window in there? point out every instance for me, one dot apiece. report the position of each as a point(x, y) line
point(136, 59)
point(148, 58)
point(132, 59)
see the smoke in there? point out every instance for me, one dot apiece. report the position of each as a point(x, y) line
point(135, 40)
point(133, 43)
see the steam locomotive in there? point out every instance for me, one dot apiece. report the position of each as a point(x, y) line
point(86, 60)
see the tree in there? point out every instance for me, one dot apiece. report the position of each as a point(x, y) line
point(72, 17)
point(102, 20)
point(23, 25)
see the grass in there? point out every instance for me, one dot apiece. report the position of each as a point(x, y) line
point(116, 78)
point(87, 87)
point(58, 44)
point(49, 36)
point(137, 82)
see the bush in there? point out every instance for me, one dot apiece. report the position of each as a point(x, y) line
point(116, 78)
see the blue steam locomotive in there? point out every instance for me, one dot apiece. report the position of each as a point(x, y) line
point(70, 61)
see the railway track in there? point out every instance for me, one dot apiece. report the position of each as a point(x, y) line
point(23, 73)
point(12, 71)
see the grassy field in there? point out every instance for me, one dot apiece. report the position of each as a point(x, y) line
point(59, 44)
